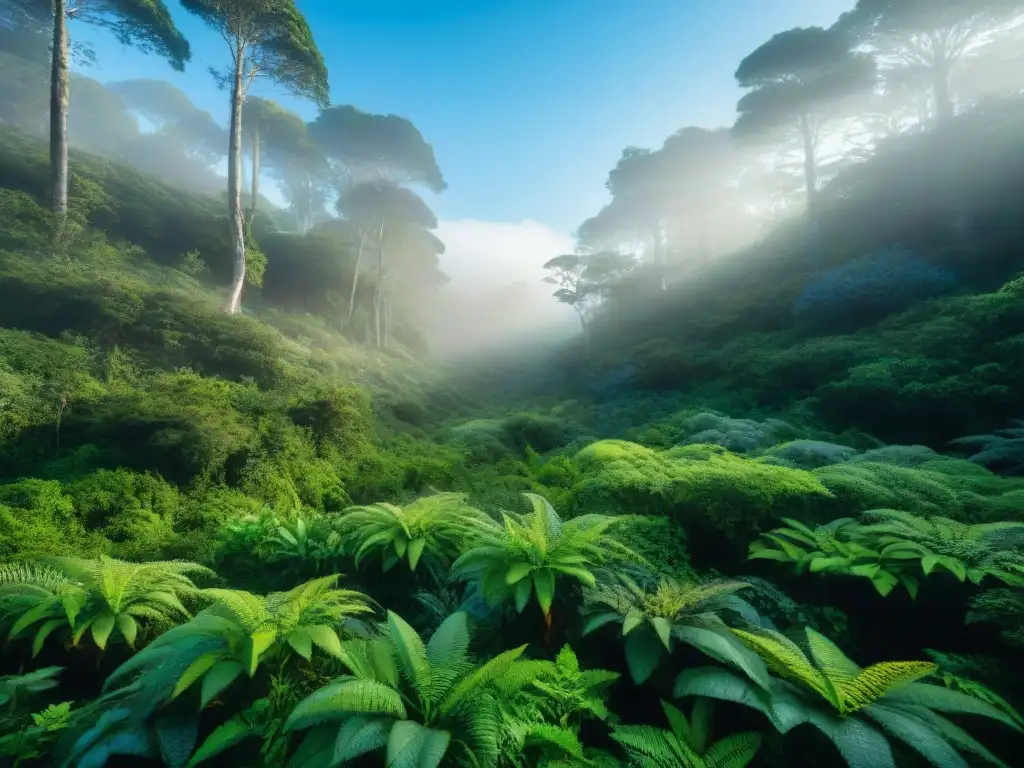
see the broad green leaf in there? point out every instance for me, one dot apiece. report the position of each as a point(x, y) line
point(194, 671)
point(517, 571)
point(301, 642)
point(415, 552)
point(220, 676)
point(359, 735)
point(634, 618)
point(523, 588)
point(599, 620)
point(410, 745)
point(412, 654)
point(255, 646)
point(44, 632)
point(128, 627)
point(643, 652)
point(223, 737)
point(326, 639)
point(544, 584)
point(664, 630)
point(102, 626)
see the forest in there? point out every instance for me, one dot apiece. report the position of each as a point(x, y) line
point(765, 507)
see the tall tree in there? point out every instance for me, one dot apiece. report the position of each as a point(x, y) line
point(265, 38)
point(267, 124)
point(369, 146)
point(145, 24)
point(796, 83)
point(934, 36)
point(385, 211)
point(377, 150)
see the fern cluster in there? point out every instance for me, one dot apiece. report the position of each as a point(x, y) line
point(891, 547)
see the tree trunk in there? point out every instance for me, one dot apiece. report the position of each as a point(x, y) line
point(355, 278)
point(59, 119)
point(255, 181)
point(810, 166)
point(377, 289)
point(940, 87)
point(309, 202)
point(811, 180)
point(235, 186)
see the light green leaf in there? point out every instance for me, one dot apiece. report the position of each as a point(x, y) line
point(410, 745)
point(517, 571)
point(523, 588)
point(220, 676)
point(223, 738)
point(664, 630)
point(102, 626)
point(544, 584)
point(128, 627)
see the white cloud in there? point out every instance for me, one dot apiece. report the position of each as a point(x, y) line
point(487, 255)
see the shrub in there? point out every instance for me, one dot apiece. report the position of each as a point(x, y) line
point(869, 288)
point(737, 435)
point(37, 518)
point(696, 485)
point(811, 454)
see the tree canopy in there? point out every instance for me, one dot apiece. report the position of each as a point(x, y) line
point(367, 145)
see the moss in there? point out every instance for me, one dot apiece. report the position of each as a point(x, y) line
point(811, 454)
point(704, 485)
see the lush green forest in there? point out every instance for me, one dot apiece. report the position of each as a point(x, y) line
point(766, 508)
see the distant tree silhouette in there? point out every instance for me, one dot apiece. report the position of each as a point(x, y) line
point(928, 37)
point(796, 83)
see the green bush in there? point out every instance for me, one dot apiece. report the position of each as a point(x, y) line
point(695, 484)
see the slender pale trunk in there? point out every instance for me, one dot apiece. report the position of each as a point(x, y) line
point(378, 288)
point(388, 312)
point(810, 165)
point(254, 191)
point(940, 87)
point(309, 202)
point(355, 277)
point(59, 119)
point(235, 185)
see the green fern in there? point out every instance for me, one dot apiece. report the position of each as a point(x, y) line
point(105, 597)
point(685, 745)
point(435, 527)
point(1005, 609)
point(969, 552)
point(530, 553)
point(228, 640)
point(655, 615)
point(891, 547)
point(855, 708)
point(831, 548)
point(414, 700)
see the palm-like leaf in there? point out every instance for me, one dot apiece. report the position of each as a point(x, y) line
point(416, 700)
point(434, 527)
point(105, 597)
point(847, 703)
point(528, 555)
point(654, 616)
point(225, 641)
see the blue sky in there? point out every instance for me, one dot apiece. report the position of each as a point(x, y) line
point(528, 103)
